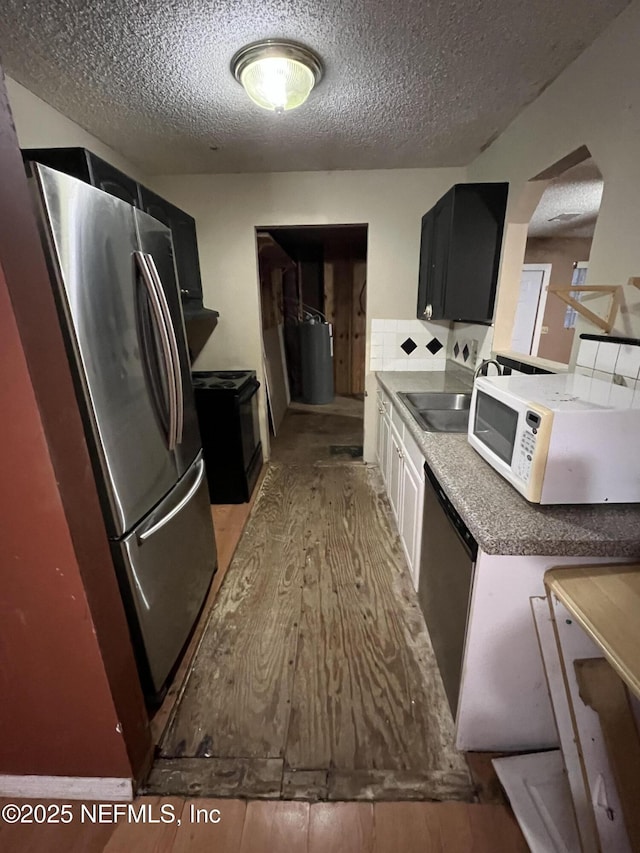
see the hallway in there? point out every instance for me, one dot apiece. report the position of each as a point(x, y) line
point(315, 676)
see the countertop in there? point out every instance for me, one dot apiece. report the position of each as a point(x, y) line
point(606, 602)
point(500, 519)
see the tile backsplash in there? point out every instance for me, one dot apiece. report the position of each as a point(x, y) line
point(616, 361)
point(408, 345)
point(469, 344)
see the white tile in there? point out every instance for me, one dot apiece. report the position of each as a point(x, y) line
point(388, 340)
point(376, 364)
point(587, 353)
point(401, 364)
point(388, 363)
point(377, 339)
point(417, 327)
point(628, 363)
point(605, 377)
point(376, 350)
point(607, 357)
point(601, 391)
point(377, 325)
point(412, 365)
point(581, 371)
point(389, 325)
point(437, 364)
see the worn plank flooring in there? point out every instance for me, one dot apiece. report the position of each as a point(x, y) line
point(307, 435)
point(236, 703)
point(279, 827)
point(315, 654)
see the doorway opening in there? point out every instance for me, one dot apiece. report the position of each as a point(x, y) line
point(313, 286)
point(556, 257)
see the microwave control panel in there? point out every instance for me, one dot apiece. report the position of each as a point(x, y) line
point(525, 448)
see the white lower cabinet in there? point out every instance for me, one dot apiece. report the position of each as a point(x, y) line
point(394, 483)
point(399, 458)
point(411, 516)
point(384, 430)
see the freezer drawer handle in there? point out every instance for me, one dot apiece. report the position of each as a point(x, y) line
point(177, 508)
point(165, 342)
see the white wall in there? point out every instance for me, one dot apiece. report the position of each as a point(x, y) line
point(228, 208)
point(39, 125)
point(595, 102)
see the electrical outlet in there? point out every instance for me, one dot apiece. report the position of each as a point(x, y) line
point(544, 330)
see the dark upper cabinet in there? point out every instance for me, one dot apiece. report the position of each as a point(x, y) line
point(185, 244)
point(460, 253)
point(93, 170)
point(84, 165)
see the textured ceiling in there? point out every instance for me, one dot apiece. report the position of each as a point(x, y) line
point(578, 190)
point(408, 83)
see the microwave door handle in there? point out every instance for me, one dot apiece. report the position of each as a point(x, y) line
point(175, 353)
point(165, 344)
point(148, 533)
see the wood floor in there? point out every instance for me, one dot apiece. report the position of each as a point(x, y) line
point(279, 827)
point(287, 826)
point(315, 677)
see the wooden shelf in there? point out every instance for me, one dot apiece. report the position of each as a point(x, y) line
point(605, 601)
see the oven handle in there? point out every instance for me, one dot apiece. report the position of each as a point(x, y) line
point(248, 391)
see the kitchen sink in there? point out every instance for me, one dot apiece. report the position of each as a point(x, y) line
point(439, 411)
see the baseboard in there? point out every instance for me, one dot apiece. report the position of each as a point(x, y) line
point(97, 788)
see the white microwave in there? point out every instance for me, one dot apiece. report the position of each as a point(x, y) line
point(559, 438)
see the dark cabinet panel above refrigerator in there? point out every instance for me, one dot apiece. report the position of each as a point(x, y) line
point(82, 164)
point(460, 252)
point(183, 231)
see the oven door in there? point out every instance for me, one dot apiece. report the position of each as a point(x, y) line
point(249, 421)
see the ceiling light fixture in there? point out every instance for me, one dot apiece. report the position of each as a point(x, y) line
point(277, 75)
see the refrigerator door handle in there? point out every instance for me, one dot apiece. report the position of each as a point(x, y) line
point(165, 343)
point(148, 533)
point(175, 355)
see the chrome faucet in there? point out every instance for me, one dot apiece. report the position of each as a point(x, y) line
point(483, 368)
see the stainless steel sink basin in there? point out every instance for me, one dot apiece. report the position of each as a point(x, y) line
point(439, 411)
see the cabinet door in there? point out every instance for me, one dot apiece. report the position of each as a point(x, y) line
point(383, 439)
point(434, 252)
point(425, 273)
point(394, 483)
point(110, 180)
point(474, 257)
point(411, 517)
point(442, 216)
point(185, 244)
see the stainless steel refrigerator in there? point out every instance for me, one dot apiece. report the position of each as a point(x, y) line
point(114, 279)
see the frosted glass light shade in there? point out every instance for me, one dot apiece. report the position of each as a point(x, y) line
point(277, 75)
point(277, 84)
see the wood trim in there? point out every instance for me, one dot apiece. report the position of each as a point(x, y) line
point(29, 286)
point(615, 291)
point(100, 789)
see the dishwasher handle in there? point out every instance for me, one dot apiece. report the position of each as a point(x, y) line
point(453, 515)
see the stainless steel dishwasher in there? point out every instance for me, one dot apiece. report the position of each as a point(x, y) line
point(447, 562)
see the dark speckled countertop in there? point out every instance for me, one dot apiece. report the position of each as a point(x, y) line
point(501, 520)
